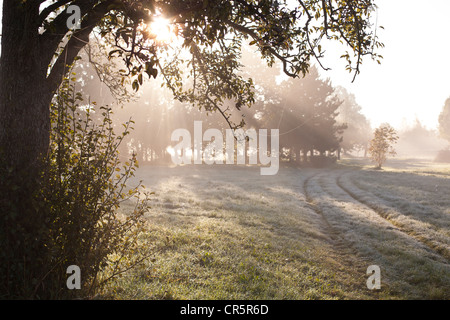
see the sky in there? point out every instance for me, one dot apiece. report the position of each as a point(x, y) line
point(413, 80)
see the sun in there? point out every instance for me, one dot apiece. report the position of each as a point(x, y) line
point(162, 30)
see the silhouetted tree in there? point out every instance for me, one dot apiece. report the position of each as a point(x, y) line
point(305, 111)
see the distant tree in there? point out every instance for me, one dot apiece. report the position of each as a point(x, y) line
point(305, 112)
point(419, 141)
point(444, 121)
point(358, 133)
point(382, 144)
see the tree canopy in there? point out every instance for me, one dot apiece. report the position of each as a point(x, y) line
point(211, 32)
point(200, 65)
point(305, 111)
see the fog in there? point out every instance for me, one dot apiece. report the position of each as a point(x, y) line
point(418, 141)
point(157, 114)
point(215, 150)
point(291, 105)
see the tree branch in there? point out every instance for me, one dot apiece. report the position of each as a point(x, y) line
point(58, 29)
point(254, 36)
point(77, 41)
point(46, 11)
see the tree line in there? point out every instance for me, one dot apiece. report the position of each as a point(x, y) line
point(316, 121)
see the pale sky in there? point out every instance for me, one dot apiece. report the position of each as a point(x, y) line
point(414, 77)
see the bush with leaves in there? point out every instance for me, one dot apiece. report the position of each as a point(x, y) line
point(83, 183)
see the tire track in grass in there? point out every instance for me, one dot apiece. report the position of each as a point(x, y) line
point(408, 266)
point(335, 238)
point(341, 250)
point(336, 209)
point(385, 211)
point(392, 201)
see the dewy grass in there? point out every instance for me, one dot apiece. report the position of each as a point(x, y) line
point(230, 233)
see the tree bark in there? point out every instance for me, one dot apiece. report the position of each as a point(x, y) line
point(24, 136)
point(26, 91)
point(24, 94)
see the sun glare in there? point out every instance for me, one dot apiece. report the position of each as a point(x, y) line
point(162, 30)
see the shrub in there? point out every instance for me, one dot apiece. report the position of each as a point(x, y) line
point(82, 185)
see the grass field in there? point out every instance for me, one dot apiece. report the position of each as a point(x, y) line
point(226, 232)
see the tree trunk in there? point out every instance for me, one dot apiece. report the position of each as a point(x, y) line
point(24, 137)
point(26, 91)
point(24, 94)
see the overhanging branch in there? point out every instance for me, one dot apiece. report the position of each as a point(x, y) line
point(255, 37)
point(76, 42)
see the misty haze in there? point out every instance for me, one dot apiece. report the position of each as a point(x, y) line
point(223, 150)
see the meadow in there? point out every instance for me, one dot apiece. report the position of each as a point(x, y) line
point(226, 232)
